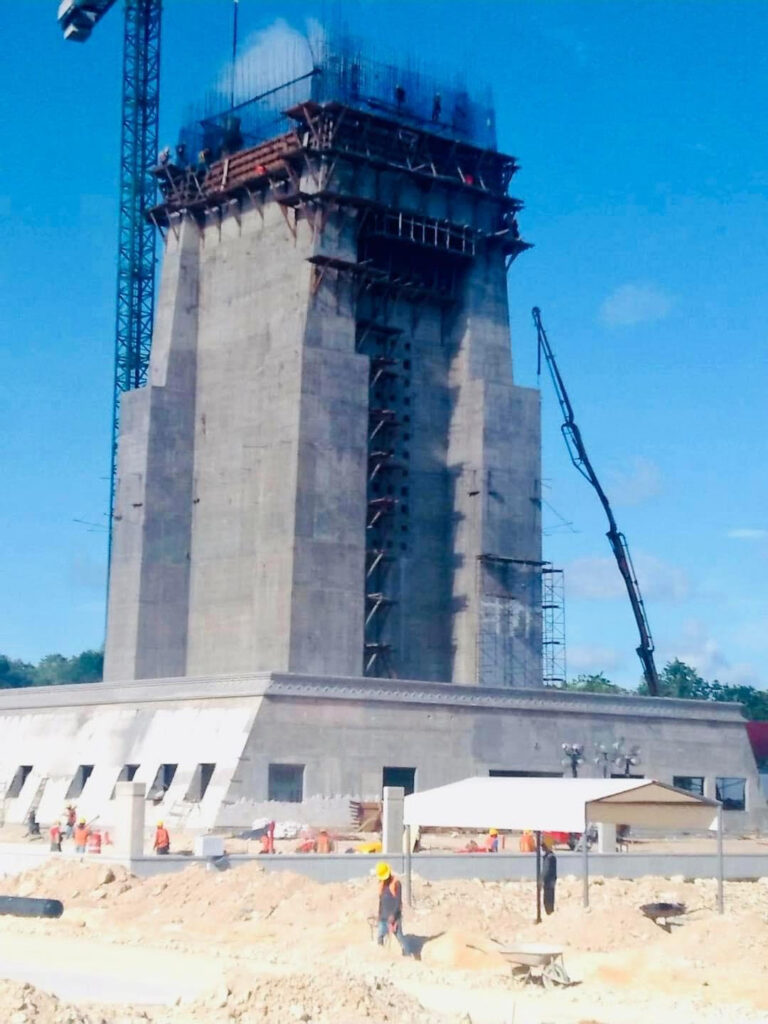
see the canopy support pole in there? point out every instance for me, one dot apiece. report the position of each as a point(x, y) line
point(538, 878)
point(585, 859)
point(720, 866)
point(408, 867)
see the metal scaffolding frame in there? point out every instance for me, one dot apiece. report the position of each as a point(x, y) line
point(553, 625)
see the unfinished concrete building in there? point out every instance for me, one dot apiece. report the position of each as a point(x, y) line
point(332, 470)
point(326, 569)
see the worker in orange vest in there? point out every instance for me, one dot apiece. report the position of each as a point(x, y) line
point(81, 836)
point(162, 842)
point(390, 916)
point(527, 842)
point(93, 843)
point(54, 833)
point(323, 842)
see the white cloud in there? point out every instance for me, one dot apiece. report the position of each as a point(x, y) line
point(598, 579)
point(699, 649)
point(635, 485)
point(747, 533)
point(637, 303)
point(593, 658)
point(269, 58)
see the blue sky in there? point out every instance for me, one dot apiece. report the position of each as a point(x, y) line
point(640, 130)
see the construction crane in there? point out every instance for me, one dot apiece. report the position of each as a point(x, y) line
point(617, 540)
point(138, 154)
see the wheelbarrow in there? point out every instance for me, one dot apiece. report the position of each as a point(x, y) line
point(534, 964)
point(661, 913)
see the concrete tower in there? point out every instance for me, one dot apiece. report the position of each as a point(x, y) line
point(332, 471)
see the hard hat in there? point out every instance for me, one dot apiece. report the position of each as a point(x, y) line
point(547, 842)
point(82, 821)
point(159, 824)
point(493, 831)
point(383, 870)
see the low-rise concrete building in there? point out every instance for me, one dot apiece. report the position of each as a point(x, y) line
point(222, 751)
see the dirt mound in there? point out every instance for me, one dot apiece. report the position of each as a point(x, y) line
point(25, 1004)
point(322, 998)
point(462, 950)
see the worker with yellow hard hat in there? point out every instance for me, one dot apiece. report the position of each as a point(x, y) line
point(390, 913)
point(491, 844)
point(162, 844)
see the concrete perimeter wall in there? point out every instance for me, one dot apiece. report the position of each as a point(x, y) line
point(15, 858)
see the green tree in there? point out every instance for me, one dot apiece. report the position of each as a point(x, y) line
point(593, 683)
point(680, 680)
point(52, 670)
point(15, 673)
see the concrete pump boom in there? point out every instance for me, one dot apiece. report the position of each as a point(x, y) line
point(617, 540)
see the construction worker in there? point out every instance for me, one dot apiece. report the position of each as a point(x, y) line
point(54, 834)
point(549, 875)
point(80, 836)
point(491, 843)
point(71, 820)
point(390, 915)
point(93, 843)
point(527, 842)
point(323, 842)
point(162, 844)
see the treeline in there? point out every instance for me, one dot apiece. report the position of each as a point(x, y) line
point(52, 670)
point(680, 680)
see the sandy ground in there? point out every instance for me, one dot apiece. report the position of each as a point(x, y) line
point(208, 947)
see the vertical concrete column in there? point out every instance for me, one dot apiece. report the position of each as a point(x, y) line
point(606, 837)
point(392, 820)
point(130, 800)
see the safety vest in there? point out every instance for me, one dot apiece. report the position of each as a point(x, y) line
point(392, 884)
point(81, 835)
point(93, 845)
point(162, 838)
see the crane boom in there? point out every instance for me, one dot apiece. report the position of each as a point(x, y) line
point(616, 539)
point(138, 154)
point(78, 17)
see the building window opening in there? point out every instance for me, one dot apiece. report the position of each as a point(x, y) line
point(17, 782)
point(731, 792)
point(286, 783)
point(513, 773)
point(403, 777)
point(162, 782)
point(79, 779)
point(125, 774)
point(199, 784)
point(690, 783)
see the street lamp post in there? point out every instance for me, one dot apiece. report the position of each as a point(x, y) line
point(617, 758)
point(573, 757)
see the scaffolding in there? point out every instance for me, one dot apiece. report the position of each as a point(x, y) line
point(339, 68)
point(507, 591)
point(553, 625)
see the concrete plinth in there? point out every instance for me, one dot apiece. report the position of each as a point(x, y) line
point(606, 838)
point(392, 820)
point(129, 816)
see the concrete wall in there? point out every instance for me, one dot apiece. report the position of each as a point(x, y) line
point(240, 534)
point(16, 857)
point(344, 731)
point(150, 569)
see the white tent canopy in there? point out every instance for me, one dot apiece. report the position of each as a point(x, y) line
point(557, 805)
point(563, 805)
